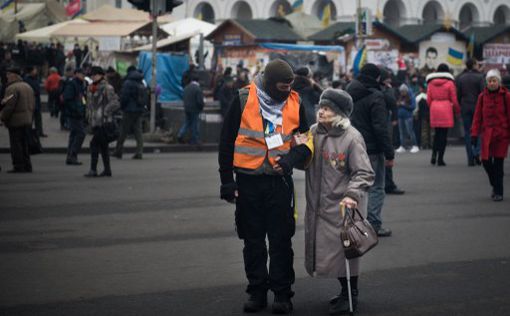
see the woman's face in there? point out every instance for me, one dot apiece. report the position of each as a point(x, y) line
point(325, 115)
point(492, 84)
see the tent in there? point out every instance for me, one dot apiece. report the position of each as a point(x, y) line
point(32, 15)
point(161, 44)
point(43, 35)
point(304, 24)
point(191, 25)
point(107, 13)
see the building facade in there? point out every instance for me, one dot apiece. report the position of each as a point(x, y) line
point(461, 13)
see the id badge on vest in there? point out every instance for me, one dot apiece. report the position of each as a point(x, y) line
point(274, 141)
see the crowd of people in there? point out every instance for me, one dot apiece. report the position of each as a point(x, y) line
point(346, 150)
point(84, 98)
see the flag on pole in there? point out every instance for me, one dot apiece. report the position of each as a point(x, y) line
point(8, 5)
point(359, 60)
point(455, 57)
point(471, 46)
point(326, 14)
point(297, 6)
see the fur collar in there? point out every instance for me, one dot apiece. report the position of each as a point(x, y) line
point(443, 75)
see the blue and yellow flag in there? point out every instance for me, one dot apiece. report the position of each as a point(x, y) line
point(8, 5)
point(455, 57)
point(326, 14)
point(471, 46)
point(359, 60)
point(297, 6)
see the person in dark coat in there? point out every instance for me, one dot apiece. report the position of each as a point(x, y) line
point(114, 79)
point(17, 110)
point(75, 107)
point(134, 101)
point(492, 122)
point(469, 86)
point(308, 91)
point(370, 118)
point(78, 55)
point(193, 104)
point(32, 78)
point(226, 94)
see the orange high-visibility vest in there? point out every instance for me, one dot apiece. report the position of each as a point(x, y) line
point(250, 146)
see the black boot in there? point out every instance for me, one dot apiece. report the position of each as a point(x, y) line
point(256, 302)
point(440, 160)
point(106, 162)
point(433, 158)
point(93, 167)
point(282, 304)
point(340, 304)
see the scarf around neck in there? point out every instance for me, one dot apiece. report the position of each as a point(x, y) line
point(270, 109)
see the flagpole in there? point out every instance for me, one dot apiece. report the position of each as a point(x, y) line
point(154, 61)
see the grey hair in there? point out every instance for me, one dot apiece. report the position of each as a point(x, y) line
point(338, 120)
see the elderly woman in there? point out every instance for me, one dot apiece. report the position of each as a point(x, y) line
point(492, 122)
point(338, 173)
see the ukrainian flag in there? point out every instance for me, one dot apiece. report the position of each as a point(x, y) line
point(326, 14)
point(359, 60)
point(7, 5)
point(297, 6)
point(455, 57)
point(471, 45)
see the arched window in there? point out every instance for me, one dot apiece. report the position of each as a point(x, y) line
point(280, 8)
point(502, 15)
point(394, 12)
point(433, 13)
point(468, 15)
point(318, 9)
point(205, 12)
point(242, 11)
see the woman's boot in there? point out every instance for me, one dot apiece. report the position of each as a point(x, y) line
point(440, 160)
point(107, 172)
point(93, 167)
point(433, 158)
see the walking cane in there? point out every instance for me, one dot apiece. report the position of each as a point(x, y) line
point(347, 269)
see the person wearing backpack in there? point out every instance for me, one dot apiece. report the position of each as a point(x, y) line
point(134, 100)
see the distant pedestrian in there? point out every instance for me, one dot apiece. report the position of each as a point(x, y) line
point(32, 78)
point(114, 79)
point(75, 107)
point(492, 122)
point(17, 112)
point(406, 106)
point(308, 91)
point(78, 55)
point(193, 104)
point(134, 101)
point(226, 94)
point(469, 86)
point(442, 102)
point(102, 102)
point(52, 87)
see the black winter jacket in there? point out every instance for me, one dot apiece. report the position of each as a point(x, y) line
point(129, 93)
point(309, 96)
point(73, 95)
point(370, 116)
point(193, 98)
point(469, 86)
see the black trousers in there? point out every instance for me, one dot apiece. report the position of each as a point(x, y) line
point(265, 207)
point(494, 169)
point(99, 145)
point(20, 155)
point(439, 145)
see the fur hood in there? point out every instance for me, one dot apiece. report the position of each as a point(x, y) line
point(442, 75)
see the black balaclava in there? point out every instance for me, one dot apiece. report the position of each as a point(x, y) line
point(277, 71)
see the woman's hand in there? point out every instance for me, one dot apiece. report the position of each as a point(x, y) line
point(349, 203)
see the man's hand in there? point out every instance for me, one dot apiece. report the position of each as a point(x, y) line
point(389, 163)
point(228, 192)
point(282, 166)
point(349, 203)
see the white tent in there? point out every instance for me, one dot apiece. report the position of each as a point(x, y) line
point(191, 25)
point(33, 15)
point(44, 34)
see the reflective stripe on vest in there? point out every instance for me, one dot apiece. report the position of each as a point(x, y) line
point(250, 149)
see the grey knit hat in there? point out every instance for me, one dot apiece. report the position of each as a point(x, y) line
point(338, 100)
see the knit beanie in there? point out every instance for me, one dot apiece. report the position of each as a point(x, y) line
point(14, 70)
point(493, 73)
point(304, 71)
point(370, 70)
point(96, 70)
point(338, 100)
point(278, 70)
point(403, 88)
point(385, 74)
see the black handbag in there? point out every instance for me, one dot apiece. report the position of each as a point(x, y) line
point(356, 234)
point(34, 143)
point(110, 131)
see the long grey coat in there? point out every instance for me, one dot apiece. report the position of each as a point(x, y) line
point(340, 167)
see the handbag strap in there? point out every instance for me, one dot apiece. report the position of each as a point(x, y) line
point(350, 214)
